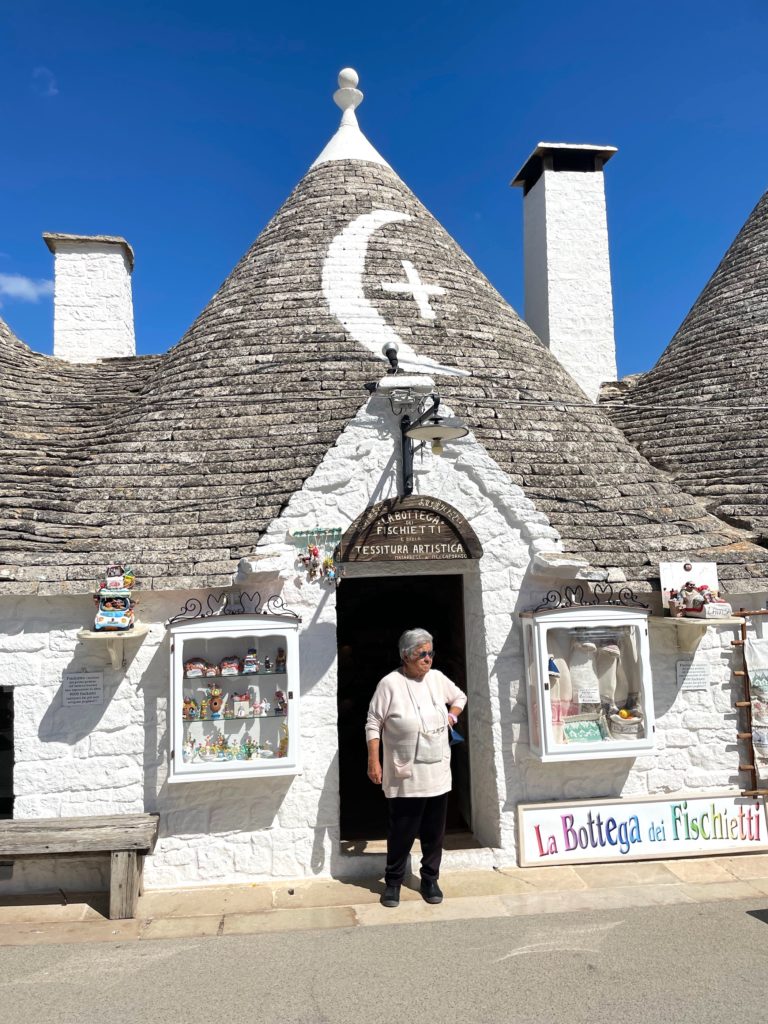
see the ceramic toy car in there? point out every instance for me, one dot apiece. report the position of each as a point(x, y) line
point(230, 666)
point(115, 610)
point(212, 670)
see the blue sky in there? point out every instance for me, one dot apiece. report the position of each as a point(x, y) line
point(184, 125)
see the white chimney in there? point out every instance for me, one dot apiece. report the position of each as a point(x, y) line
point(568, 299)
point(93, 305)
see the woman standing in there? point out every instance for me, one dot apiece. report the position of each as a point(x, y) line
point(408, 714)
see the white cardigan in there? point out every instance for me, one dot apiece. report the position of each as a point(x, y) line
point(393, 718)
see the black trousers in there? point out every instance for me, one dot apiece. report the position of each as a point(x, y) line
point(412, 817)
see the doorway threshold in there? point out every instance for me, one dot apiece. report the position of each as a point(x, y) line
point(461, 851)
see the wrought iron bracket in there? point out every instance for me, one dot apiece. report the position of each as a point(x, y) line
point(602, 594)
point(240, 603)
point(406, 424)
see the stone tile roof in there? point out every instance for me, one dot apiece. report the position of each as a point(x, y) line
point(177, 463)
point(700, 413)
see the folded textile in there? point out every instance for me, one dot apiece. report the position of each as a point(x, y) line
point(756, 657)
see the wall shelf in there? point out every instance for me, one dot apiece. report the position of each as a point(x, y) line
point(115, 640)
point(690, 631)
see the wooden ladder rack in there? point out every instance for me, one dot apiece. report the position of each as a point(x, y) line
point(745, 735)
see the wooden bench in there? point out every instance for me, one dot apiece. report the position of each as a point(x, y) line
point(126, 837)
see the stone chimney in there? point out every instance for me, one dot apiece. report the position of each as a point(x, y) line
point(92, 300)
point(568, 299)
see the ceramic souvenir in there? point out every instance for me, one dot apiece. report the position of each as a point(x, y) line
point(267, 664)
point(195, 667)
point(214, 700)
point(281, 704)
point(230, 666)
point(241, 705)
point(282, 747)
point(191, 710)
point(251, 663)
point(189, 750)
point(280, 660)
point(261, 708)
point(211, 670)
point(114, 610)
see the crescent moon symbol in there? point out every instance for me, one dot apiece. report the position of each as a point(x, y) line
point(343, 290)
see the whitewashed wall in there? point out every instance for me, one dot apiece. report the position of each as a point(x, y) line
point(114, 758)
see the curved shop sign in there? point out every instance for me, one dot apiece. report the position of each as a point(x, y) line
point(654, 827)
point(415, 528)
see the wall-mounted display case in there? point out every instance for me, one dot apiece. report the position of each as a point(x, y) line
point(234, 697)
point(590, 693)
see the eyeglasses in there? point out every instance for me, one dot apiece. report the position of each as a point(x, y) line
point(425, 654)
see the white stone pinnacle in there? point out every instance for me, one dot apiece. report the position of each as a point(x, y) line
point(349, 143)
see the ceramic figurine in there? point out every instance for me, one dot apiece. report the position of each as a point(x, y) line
point(280, 660)
point(114, 610)
point(267, 664)
point(282, 746)
point(214, 701)
point(189, 750)
point(114, 604)
point(261, 708)
point(251, 663)
point(230, 666)
point(211, 670)
point(195, 667)
point(281, 704)
point(241, 705)
point(191, 710)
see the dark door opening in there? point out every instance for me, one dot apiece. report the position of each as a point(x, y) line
point(6, 752)
point(371, 614)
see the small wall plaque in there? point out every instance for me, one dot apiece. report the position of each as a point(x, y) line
point(82, 688)
point(691, 676)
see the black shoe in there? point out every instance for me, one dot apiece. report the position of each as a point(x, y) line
point(431, 891)
point(391, 896)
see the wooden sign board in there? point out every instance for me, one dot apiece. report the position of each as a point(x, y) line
point(416, 528)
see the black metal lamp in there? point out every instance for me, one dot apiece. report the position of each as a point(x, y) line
point(427, 428)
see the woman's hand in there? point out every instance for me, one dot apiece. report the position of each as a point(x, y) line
point(374, 772)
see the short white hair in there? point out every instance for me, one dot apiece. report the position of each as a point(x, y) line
point(411, 639)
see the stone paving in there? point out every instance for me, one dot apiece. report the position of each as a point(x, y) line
point(326, 903)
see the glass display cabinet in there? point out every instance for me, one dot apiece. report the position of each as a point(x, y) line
point(589, 685)
point(234, 697)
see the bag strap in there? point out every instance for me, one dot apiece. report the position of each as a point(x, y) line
point(416, 707)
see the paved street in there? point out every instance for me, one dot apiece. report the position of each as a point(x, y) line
point(697, 963)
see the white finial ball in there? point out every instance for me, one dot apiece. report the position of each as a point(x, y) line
point(348, 78)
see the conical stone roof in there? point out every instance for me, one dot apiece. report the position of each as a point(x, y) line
point(178, 463)
point(700, 413)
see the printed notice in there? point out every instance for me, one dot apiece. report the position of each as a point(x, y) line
point(82, 688)
point(691, 676)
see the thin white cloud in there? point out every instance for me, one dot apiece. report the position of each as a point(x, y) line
point(23, 289)
point(45, 83)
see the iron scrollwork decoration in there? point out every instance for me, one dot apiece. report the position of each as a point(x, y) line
point(240, 603)
point(602, 594)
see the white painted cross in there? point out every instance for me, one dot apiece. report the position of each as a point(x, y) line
point(414, 287)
